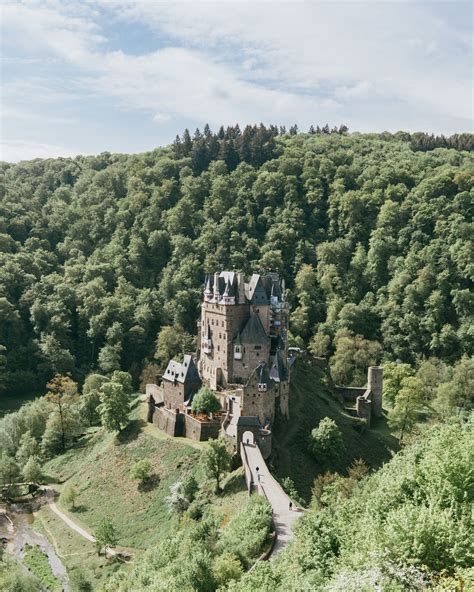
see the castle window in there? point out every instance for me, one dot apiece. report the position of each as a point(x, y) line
point(258, 347)
point(262, 387)
point(257, 354)
point(237, 352)
point(222, 323)
point(218, 348)
point(212, 321)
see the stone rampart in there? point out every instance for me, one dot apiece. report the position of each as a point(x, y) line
point(350, 393)
point(201, 430)
point(168, 421)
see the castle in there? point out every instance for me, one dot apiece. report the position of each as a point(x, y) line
point(242, 356)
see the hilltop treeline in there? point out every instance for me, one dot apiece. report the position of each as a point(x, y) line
point(421, 141)
point(254, 145)
point(98, 255)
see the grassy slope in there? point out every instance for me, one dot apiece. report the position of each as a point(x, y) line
point(99, 469)
point(311, 399)
point(75, 552)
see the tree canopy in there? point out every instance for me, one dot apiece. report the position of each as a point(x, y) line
point(102, 258)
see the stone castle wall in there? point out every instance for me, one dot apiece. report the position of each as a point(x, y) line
point(168, 421)
point(201, 430)
point(225, 321)
point(259, 403)
point(350, 393)
point(252, 356)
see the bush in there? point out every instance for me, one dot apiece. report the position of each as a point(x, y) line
point(226, 567)
point(326, 442)
point(141, 471)
point(248, 530)
point(182, 493)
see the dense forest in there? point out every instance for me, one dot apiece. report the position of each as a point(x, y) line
point(100, 255)
point(102, 260)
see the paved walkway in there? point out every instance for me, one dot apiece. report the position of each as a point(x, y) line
point(268, 486)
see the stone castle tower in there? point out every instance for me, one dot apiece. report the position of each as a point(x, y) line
point(242, 342)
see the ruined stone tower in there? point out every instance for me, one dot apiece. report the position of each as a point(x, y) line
point(375, 385)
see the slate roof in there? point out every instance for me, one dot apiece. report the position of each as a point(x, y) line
point(278, 370)
point(248, 420)
point(263, 374)
point(185, 372)
point(255, 291)
point(253, 332)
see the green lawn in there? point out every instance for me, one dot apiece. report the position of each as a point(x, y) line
point(311, 399)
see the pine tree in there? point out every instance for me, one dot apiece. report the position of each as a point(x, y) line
point(187, 143)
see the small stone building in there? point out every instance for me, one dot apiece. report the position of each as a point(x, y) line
point(180, 383)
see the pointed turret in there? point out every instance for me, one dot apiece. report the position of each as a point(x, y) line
point(208, 288)
point(278, 370)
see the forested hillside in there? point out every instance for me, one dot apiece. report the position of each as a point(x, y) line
point(406, 527)
point(98, 255)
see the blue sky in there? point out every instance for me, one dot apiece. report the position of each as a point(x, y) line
point(127, 75)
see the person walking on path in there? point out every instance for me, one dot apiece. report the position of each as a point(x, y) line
point(290, 506)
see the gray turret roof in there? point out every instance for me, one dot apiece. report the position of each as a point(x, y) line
point(278, 370)
point(255, 291)
point(184, 372)
point(229, 289)
point(253, 332)
point(263, 374)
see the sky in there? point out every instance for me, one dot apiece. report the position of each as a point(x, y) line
point(84, 77)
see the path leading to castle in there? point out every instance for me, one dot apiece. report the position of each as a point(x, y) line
point(283, 517)
point(71, 523)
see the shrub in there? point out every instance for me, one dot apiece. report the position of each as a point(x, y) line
point(247, 531)
point(189, 487)
point(177, 502)
point(141, 471)
point(226, 567)
point(326, 442)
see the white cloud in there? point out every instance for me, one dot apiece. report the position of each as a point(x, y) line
point(161, 117)
point(16, 150)
point(399, 48)
point(373, 65)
